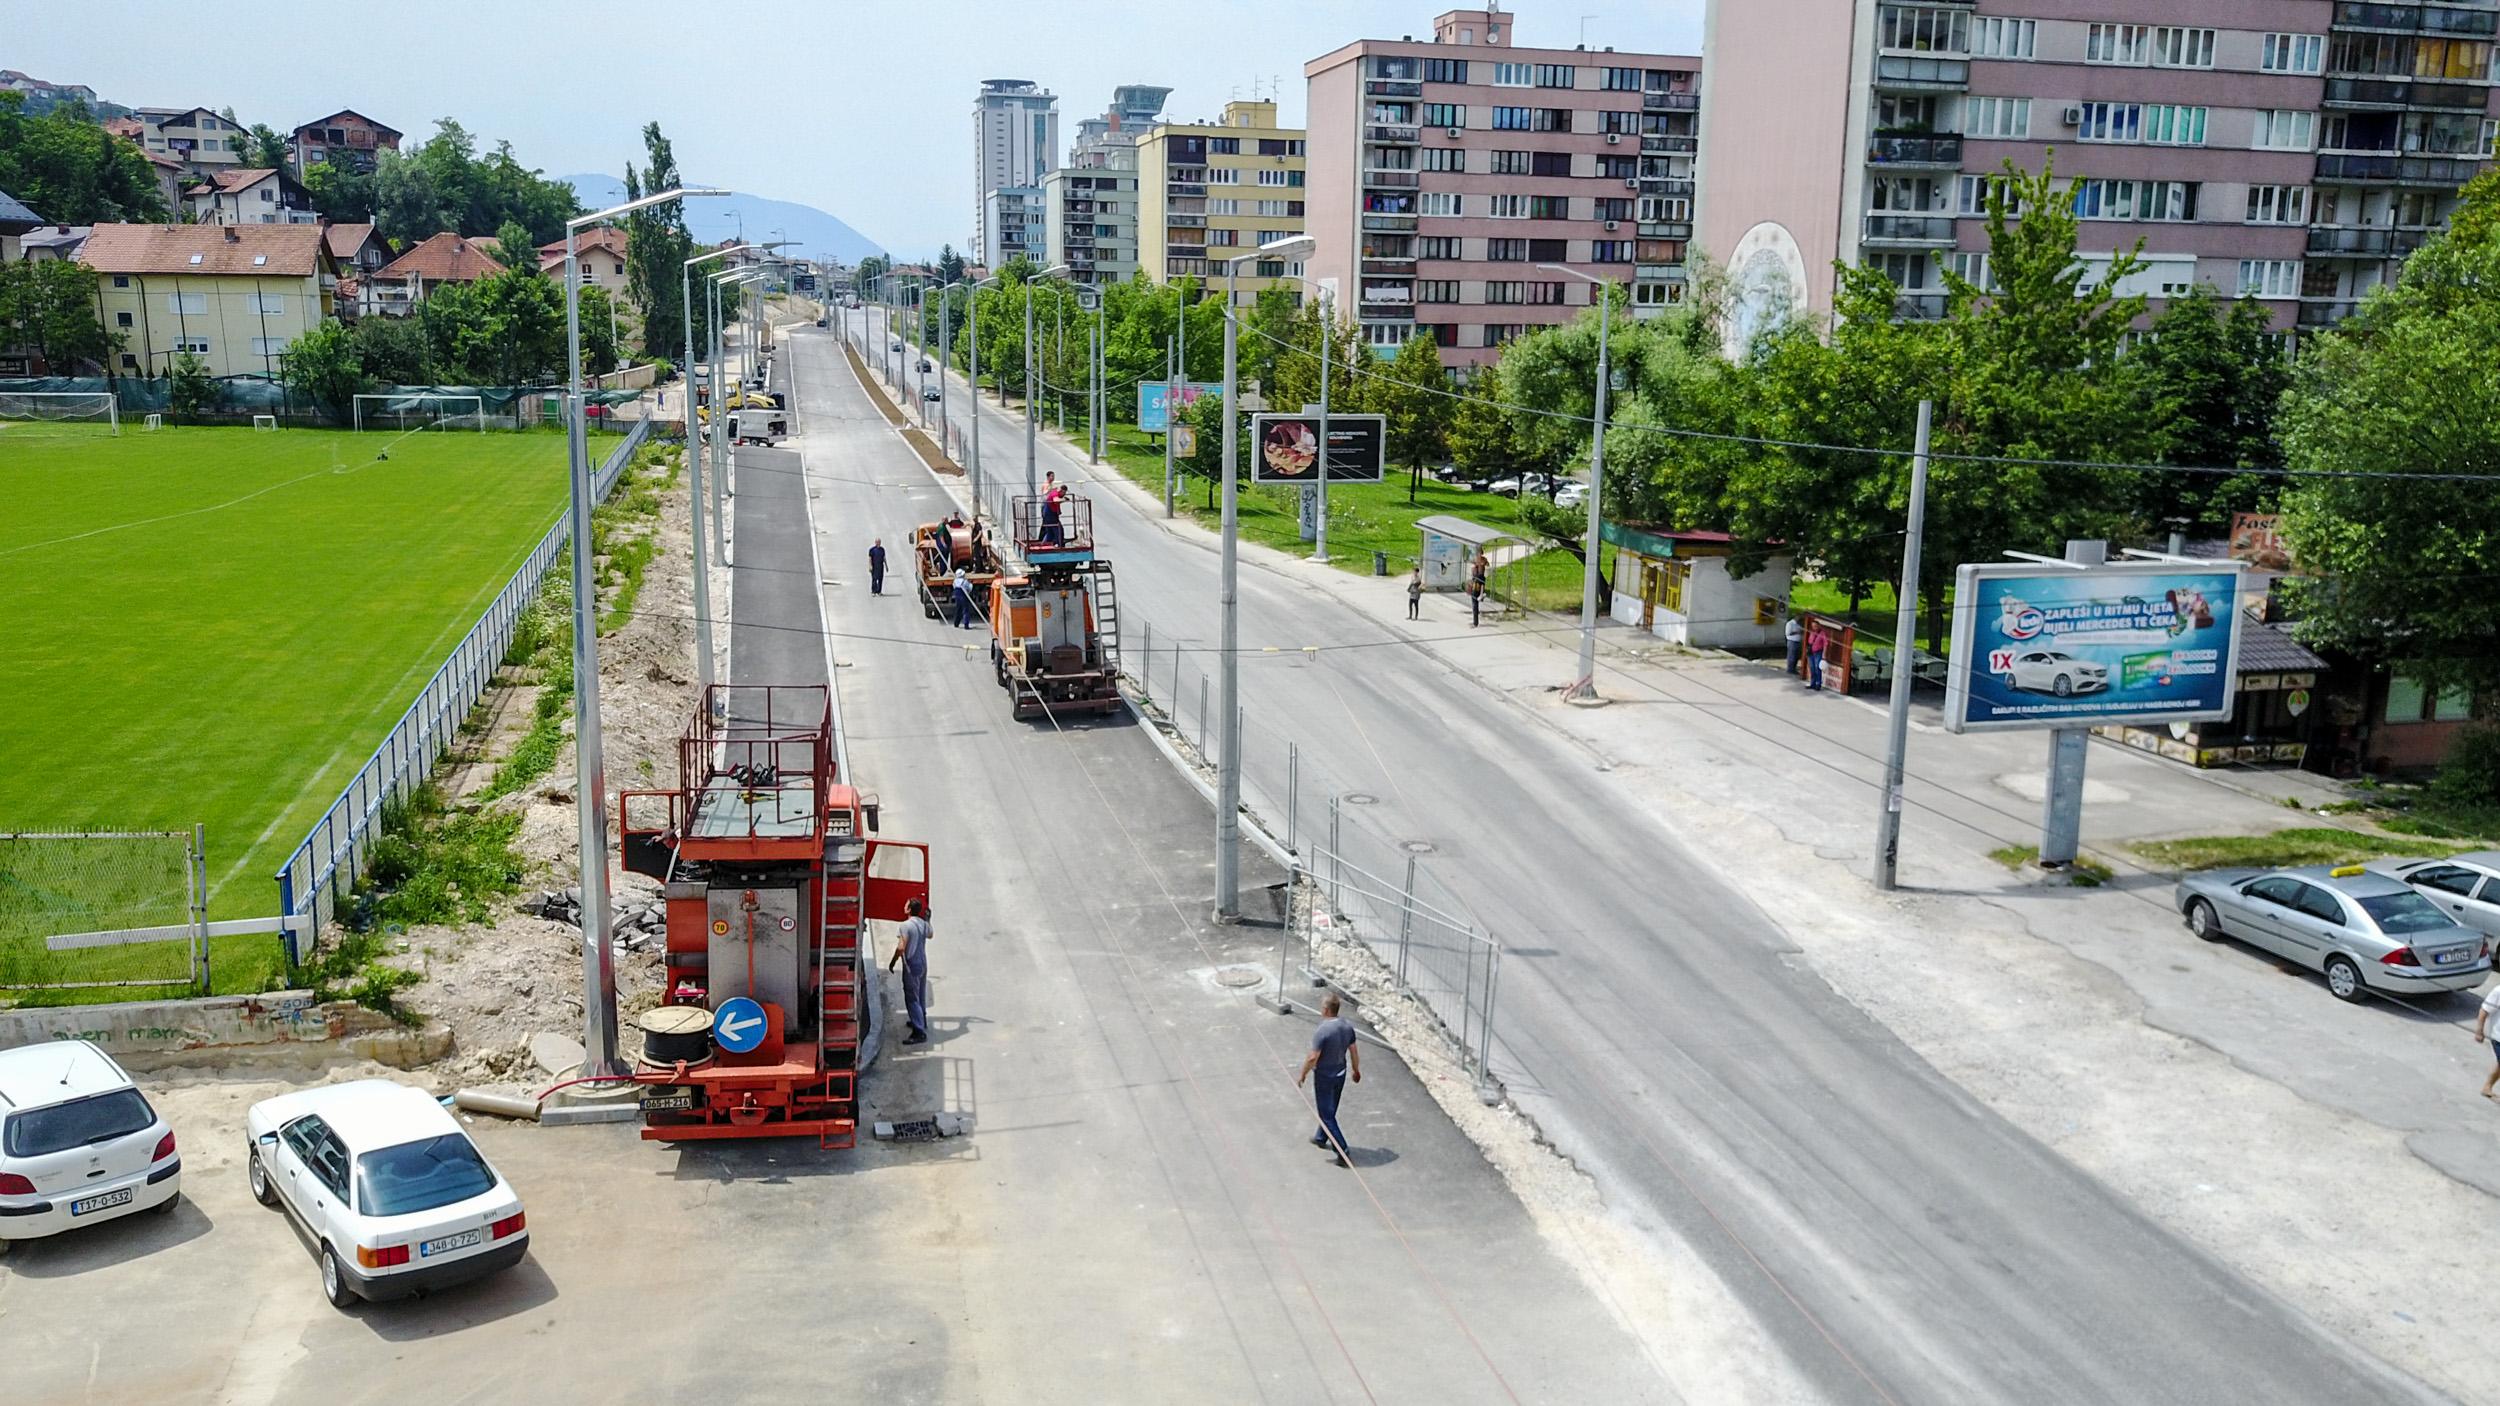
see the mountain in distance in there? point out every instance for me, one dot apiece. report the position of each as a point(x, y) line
point(714, 218)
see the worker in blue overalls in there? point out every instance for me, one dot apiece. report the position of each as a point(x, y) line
point(911, 953)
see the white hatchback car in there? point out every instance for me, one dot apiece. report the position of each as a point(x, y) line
point(395, 1197)
point(78, 1142)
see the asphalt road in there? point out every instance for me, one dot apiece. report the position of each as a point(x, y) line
point(1896, 1240)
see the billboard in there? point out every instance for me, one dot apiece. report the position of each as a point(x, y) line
point(1154, 414)
point(1286, 448)
point(2144, 643)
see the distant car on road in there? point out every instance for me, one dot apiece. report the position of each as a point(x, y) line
point(926, 366)
point(78, 1143)
point(2055, 671)
point(392, 1194)
point(820, 322)
point(932, 393)
point(2364, 931)
point(895, 345)
point(2467, 886)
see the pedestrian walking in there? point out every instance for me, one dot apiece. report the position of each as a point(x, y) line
point(911, 954)
point(963, 599)
point(1415, 593)
point(1816, 642)
point(876, 567)
point(1477, 570)
point(2487, 1029)
point(1334, 1053)
point(1795, 631)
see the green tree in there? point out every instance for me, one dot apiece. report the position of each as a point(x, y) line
point(1412, 394)
point(950, 265)
point(68, 170)
point(393, 351)
point(265, 147)
point(1479, 429)
point(323, 367)
point(341, 192)
point(2396, 571)
point(2216, 366)
point(193, 391)
point(514, 246)
point(49, 307)
point(656, 249)
point(600, 346)
point(406, 205)
point(868, 279)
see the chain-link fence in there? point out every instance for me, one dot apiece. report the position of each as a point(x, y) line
point(102, 908)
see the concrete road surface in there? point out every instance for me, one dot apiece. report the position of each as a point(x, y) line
point(1896, 1240)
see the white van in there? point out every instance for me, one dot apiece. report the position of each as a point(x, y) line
point(78, 1142)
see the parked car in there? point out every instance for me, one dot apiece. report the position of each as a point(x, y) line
point(2055, 671)
point(1571, 495)
point(932, 393)
point(2364, 931)
point(2467, 886)
point(394, 1197)
point(79, 1144)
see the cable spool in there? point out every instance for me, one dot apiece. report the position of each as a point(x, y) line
point(674, 1034)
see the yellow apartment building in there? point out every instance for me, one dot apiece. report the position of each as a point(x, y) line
point(233, 295)
point(1212, 191)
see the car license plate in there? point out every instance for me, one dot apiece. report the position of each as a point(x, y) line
point(668, 1098)
point(104, 1202)
point(448, 1243)
point(2451, 958)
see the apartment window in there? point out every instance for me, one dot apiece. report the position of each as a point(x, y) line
point(121, 280)
point(1513, 75)
point(1497, 333)
point(1508, 207)
point(182, 303)
point(1924, 30)
point(1506, 251)
point(2368, 55)
point(198, 346)
point(1548, 251)
point(1278, 178)
point(1618, 167)
point(1270, 236)
point(2101, 199)
point(269, 346)
point(1909, 272)
point(121, 319)
point(1436, 290)
point(1610, 251)
point(1550, 163)
point(1277, 207)
point(2111, 122)
point(2269, 278)
point(2285, 129)
point(1674, 209)
point(1178, 268)
point(1445, 114)
point(1438, 202)
point(1621, 80)
point(1513, 119)
point(271, 304)
point(2178, 47)
point(1214, 207)
point(2174, 124)
point(1392, 66)
point(1619, 124)
point(1445, 158)
point(1386, 334)
point(1549, 207)
point(1223, 146)
point(1611, 207)
point(1556, 75)
point(1225, 175)
point(1445, 70)
point(1437, 246)
point(2003, 38)
point(1271, 147)
point(2452, 58)
point(2278, 205)
point(2293, 53)
point(1395, 113)
point(1552, 119)
point(2008, 118)
point(1972, 269)
point(2118, 43)
point(1504, 291)
point(1510, 163)
point(1971, 196)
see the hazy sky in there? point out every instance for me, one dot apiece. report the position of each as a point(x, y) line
point(861, 110)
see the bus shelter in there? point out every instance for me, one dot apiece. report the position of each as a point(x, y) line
point(1451, 544)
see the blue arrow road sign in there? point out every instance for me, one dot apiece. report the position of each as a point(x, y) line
point(738, 1025)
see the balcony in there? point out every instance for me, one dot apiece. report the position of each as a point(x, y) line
point(2392, 93)
point(1923, 230)
point(1389, 312)
point(1939, 149)
point(1392, 88)
point(2444, 172)
point(1671, 102)
point(1666, 229)
point(2365, 243)
point(2484, 23)
point(1393, 135)
point(1670, 144)
point(1390, 180)
point(1390, 264)
point(1919, 307)
point(1186, 221)
point(1658, 273)
point(1678, 186)
point(1919, 71)
point(2325, 312)
point(1389, 224)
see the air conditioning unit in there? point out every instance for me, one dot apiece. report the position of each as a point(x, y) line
point(1454, 133)
point(1610, 224)
point(1631, 183)
point(2072, 117)
point(1614, 139)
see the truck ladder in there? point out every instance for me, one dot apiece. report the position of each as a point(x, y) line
point(1106, 615)
point(840, 1018)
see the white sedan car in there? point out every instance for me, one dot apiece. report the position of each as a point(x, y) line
point(392, 1193)
point(78, 1142)
point(2055, 671)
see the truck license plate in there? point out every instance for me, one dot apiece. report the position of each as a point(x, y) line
point(104, 1202)
point(461, 1241)
point(673, 1098)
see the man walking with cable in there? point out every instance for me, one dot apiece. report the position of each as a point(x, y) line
point(1334, 1054)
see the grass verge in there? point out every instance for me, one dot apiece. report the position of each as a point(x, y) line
point(2083, 873)
point(2286, 848)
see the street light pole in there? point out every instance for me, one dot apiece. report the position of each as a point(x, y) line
point(1032, 362)
point(1897, 735)
point(590, 787)
point(972, 325)
point(1584, 688)
point(694, 461)
point(726, 278)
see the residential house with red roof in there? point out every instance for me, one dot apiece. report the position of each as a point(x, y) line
point(344, 138)
point(249, 196)
point(233, 295)
point(396, 288)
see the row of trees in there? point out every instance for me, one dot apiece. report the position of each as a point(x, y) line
point(441, 184)
point(506, 330)
point(69, 170)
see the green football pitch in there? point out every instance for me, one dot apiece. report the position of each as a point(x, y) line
point(217, 626)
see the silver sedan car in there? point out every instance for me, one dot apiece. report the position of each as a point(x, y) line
point(2467, 886)
point(2365, 932)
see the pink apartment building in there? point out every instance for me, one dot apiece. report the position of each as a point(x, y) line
point(1443, 172)
point(2291, 150)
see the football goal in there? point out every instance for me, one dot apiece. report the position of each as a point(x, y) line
point(25, 414)
point(264, 422)
point(420, 411)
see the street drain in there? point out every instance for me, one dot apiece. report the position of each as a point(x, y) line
point(1238, 977)
point(1417, 846)
point(1360, 798)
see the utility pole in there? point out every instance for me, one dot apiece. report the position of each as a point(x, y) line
point(1032, 414)
point(1228, 765)
point(1897, 739)
point(1327, 337)
point(1171, 414)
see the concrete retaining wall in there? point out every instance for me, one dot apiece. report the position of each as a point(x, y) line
point(288, 1024)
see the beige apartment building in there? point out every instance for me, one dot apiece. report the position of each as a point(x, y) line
point(1445, 172)
point(1212, 191)
point(233, 295)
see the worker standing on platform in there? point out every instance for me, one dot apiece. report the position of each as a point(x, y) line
point(876, 567)
point(911, 954)
point(1053, 494)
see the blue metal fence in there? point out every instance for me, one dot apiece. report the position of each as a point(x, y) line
point(334, 850)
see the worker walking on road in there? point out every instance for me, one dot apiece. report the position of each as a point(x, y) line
point(911, 953)
point(1334, 1054)
point(963, 599)
point(1415, 593)
point(876, 567)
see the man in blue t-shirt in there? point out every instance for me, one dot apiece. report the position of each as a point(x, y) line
point(1334, 1053)
point(911, 953)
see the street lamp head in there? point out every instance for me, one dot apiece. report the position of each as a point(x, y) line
point(1571, 273)
point(659, 197)
point(1296, 246)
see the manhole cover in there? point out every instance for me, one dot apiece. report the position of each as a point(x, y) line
point(1238, 977)
point(1360, 798)
point(1417, 846)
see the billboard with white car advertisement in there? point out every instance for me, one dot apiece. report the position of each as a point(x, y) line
point(2042, 646)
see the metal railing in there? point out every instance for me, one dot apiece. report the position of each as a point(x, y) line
point(333, 852)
